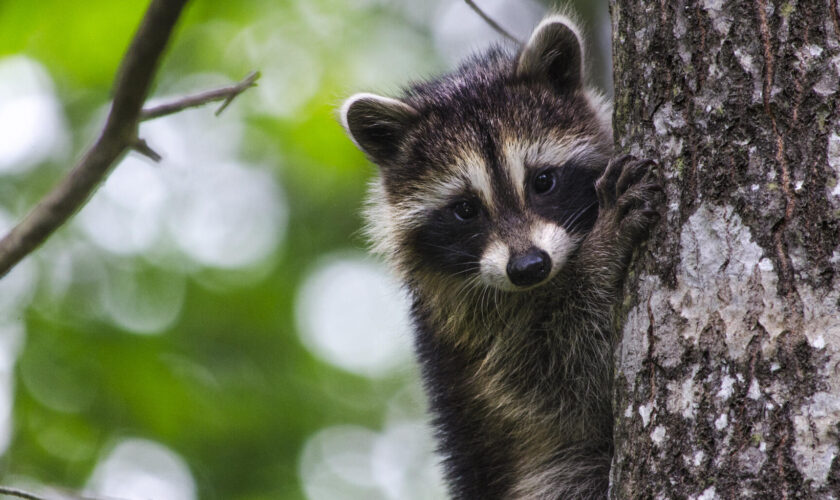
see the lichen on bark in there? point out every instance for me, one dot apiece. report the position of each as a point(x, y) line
point(728, 373)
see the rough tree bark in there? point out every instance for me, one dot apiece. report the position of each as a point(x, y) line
point(728, 373)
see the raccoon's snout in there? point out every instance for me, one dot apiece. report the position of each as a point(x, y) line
point(505, 266)
point(529, 268)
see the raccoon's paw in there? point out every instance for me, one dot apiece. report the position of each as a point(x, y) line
point(629, 197)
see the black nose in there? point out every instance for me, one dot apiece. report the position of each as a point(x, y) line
point(529, 268)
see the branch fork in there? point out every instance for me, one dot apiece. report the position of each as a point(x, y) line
point(119, 134)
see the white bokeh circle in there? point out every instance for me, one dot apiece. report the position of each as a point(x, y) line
point(12, 335)
point(351, 313)
point(32, 125)
point(124, 215)
point(352, 462)
point(232, 216)
point(141, 469)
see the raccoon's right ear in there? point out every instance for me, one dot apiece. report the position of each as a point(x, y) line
point(377, 124)
point(554, 54)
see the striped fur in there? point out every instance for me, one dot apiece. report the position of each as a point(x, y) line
point(518, 375)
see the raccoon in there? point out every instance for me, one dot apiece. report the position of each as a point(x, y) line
point(500, 210)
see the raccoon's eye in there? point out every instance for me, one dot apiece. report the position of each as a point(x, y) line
point(465, 210)
point(544, 182)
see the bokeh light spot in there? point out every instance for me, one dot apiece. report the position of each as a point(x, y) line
point(352, 314)
point(351, 462)
point(231, 217)
point(141, 469)
point(11, 339)
point(335, 463)
point(404, 464)
point(143, 300)
point(123, 216)
point(32, 125)
point(288, 82)
point(18, 286)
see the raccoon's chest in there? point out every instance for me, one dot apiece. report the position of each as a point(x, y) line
point(544, 373)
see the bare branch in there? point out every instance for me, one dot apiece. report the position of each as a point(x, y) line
point(493, 24)
point(131, 87)
point(14, 492)
point(226, 94)
point(62, 495)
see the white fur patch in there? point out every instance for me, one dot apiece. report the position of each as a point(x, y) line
point(474, 170)
point(438, 192)
point(553, 152)
point(382, 228)
point(553, 240)
point(468, 175)
point(513, 154)
point(494, 265)
point(520, 155)
point(603, 109)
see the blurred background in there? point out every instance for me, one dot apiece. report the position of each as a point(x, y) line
point(211, 326)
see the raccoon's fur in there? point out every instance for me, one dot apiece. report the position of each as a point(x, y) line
point(500, 210)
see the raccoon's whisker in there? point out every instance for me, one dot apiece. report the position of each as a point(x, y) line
point(485, 304)
point(505, 322)
point(497, 308)
point(465, 290)
point(471, 267)
point(576, 215)
point(449, 250)
point(473, 294)
point(573, 219)
point(452, 251)
point(481, 321)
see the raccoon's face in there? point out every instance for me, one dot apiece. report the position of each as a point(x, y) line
point(487, 174)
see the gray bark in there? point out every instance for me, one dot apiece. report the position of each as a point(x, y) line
point(728, 373)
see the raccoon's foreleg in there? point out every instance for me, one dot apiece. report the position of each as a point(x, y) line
point(629, 197)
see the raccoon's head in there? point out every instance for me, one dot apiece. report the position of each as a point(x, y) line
point(487, 174)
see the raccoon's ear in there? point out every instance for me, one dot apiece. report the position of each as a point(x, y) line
point(377, 124)
point(554, 53)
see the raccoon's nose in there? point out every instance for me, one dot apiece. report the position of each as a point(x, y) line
point(529, 268)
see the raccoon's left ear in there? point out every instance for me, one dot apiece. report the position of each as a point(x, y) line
point(554, 53)
point(377, 124)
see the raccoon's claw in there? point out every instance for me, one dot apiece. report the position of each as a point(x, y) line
point(620, 175)
point(629, 190)
point(640, 197)
point(639, 213)
point(605, 186)
point(633, 172)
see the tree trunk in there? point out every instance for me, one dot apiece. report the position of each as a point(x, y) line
point(728, 373)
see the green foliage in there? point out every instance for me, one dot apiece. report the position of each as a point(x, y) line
point(227, 385)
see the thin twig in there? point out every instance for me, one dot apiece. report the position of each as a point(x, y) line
point(18, 493)
point(226, 94)
point(142, 147)
point(14, 492)
point(493, 24)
